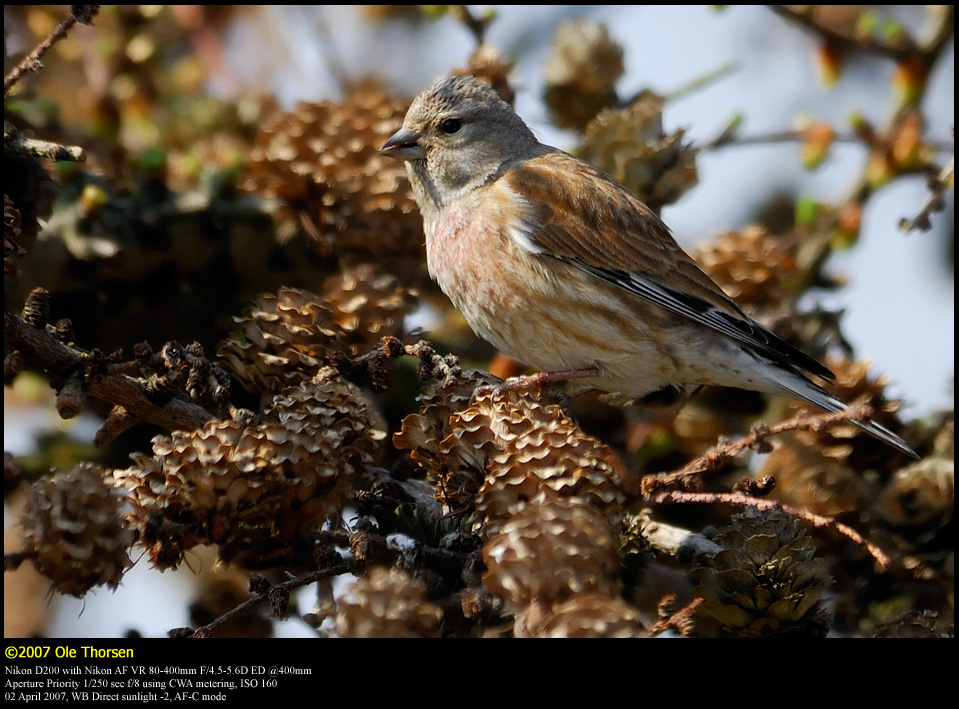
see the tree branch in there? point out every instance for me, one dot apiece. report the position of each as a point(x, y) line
point(720, 454)
point(42, 352)
point(736, 498)
point(900, 47)
point(78, 13)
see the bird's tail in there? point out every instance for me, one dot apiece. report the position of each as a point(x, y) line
point(806, 390)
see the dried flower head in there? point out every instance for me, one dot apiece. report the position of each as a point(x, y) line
point(255, 489)
point(320, 165)
point(536, 452)
point(550, 550)
point(767, 581)
point(387, 603)
point(367, 305)
point(286, 339)
point(922, 494)
point(916, 510)
point(759, 270)
point(847, 443)
point(488, 65)
point(75, 528)
point(587, 615)
point(455, 465)
point(630, 145)
point(501, 449)
point(581, 73)
point(288, 336)
point(809, 479)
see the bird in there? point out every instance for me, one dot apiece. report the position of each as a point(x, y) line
point(559, 265)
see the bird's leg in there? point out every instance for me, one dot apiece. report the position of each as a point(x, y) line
point(539, 379)
point(535, 381)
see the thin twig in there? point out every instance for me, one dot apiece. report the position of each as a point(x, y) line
point(934, 201)
point(900, 47)
point(44, 353)
point(13, 141)
point(722, 453)
point(702, 81)
point(729, 137)
point(476, 25)
point(206, 631)
point(78, 13)
point(681, 621)
point(735, 498)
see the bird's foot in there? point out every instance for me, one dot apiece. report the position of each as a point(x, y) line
point(537, 381)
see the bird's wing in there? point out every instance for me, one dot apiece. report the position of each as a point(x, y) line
point(634, 249)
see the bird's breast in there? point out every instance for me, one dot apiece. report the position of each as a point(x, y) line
point(530, 305)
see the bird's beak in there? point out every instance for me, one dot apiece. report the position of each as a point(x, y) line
point(403, 145)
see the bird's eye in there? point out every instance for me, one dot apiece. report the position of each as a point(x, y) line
point(451, 125)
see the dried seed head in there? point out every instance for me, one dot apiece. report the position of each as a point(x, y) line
point(847, 443)
point(286, 339)
point(320, 164)
point(257, 490)
point(766, 582)
point(457, 467)
point(759, 270)
point(387, 604)
point(290, 335)
point(488, 65)
point(809, 479)
point(502, 448)
point(74, 525)
point(581, 73)
point(551, 549)
point(536, 451)
point(587, 615)
point(916, 512)
point(367, 306)
point(630, 145)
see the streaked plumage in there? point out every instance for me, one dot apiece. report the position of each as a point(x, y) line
point(559, 265)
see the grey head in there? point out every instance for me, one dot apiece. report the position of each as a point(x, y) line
point(457, 135)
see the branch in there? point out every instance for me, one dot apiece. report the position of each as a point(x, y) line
point(83, 14)
point(736, 498)
point(899, 47)
point(720, 454)
point(367, 548)
point(671, 540)
point(13, 141)
point(101, 378)
point(206, 631)
point(682, 620)
point(729, 137)
point(700, 82)
point(476, 25)
point(374, 363)
point(934, 202)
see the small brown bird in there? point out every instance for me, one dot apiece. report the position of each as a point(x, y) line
point(561, 266)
